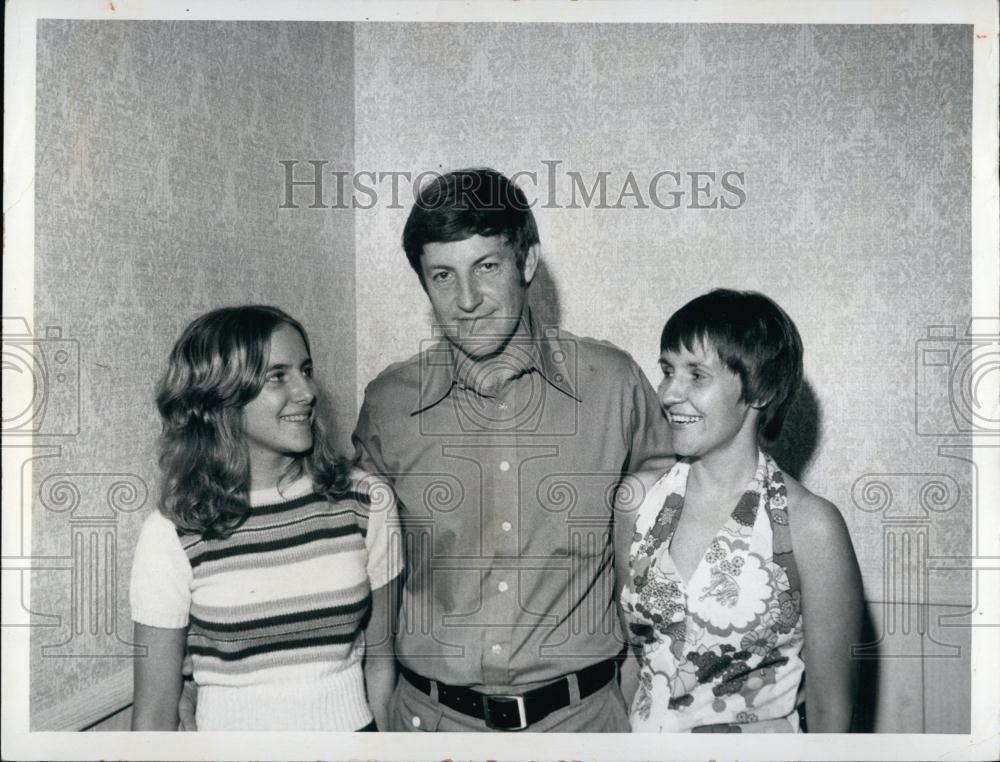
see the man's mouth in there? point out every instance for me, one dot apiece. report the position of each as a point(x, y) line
point(676, 419)
point(479, 326)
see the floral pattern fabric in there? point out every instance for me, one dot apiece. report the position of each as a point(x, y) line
point(722, 652)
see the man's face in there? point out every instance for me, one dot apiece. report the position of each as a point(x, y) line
point(476, 291)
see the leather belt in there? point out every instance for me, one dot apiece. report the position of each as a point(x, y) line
point(515, 712)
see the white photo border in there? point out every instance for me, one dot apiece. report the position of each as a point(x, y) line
point(18, 299)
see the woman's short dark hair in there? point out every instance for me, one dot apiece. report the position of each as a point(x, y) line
point(467, 202)
point(217, 366)
point(754, 338)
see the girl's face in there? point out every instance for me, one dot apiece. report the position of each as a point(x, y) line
point(277, 423)
point(702, 399)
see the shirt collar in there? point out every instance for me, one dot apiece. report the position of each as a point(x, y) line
point(557, 358)
point(442, 367)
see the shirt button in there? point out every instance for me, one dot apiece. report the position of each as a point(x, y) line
point(502, 587)
point(416, 722)
point(504, 465)
point(505, 526)
point(497, 648)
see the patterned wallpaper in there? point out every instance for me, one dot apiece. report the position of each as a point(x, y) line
point(157, 198)
point(854, 149)
point(853, 145)
point(158, 191)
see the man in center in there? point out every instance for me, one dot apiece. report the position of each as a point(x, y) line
point(505, 442)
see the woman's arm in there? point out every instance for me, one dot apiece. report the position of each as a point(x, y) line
point(380, 658)
point(832, 608)
point(157, 677)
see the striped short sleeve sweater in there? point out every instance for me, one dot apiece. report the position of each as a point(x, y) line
point(274, 612)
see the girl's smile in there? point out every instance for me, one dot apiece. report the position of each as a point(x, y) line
point(277, 423)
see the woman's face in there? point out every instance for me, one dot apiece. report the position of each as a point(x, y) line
point(702, 399)
point(277, 423)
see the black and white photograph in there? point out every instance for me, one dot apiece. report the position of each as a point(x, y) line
point(572, 372)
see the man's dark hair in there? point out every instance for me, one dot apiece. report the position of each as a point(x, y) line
point(467, 202)
point(754, 338)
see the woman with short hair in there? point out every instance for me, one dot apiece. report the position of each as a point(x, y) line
point(741, 582)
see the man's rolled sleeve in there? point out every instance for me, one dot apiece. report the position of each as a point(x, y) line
point(368, 443)
point(647, 434)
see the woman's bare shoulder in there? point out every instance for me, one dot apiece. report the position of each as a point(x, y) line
point(813, 519)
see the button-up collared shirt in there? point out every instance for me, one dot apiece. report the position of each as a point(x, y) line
point(505, 474)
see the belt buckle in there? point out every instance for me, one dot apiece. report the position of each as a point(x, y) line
point(521, 714)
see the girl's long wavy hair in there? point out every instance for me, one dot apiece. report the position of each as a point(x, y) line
point(217, 366)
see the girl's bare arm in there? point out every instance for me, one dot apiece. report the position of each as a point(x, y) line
point(157, 677)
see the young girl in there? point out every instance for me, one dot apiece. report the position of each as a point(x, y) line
point(741, 581)
point(268, 554)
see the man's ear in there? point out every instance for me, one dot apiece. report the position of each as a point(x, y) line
point(531, 263)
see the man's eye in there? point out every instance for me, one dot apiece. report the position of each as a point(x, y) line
point(307, 372)
point(489, 267)
point(440, 277)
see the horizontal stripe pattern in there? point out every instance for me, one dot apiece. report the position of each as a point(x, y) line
point(301, 665)
point(270, 646)
point(227, 638)
point(278, 552)
point(351, 496)
point(252, 593)
point(216, 623)
point(279, 625)
point(282, 536)
point(288, 587)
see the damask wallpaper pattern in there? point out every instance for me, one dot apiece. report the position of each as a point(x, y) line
point(157, 198)
point(838, 158)
point(853, 145)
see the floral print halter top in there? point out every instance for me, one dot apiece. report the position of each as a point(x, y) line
point(722, 652)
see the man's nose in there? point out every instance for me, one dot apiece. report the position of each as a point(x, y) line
point(469, 296)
